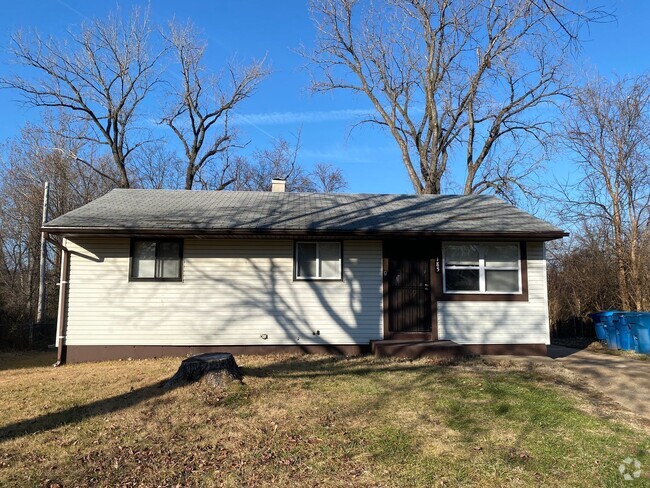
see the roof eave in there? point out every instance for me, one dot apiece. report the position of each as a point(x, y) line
point(366, 233)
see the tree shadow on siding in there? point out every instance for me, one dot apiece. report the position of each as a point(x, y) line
point(283, 298)
point(298, 313)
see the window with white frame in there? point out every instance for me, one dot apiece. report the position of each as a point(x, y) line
point(481, 268)
point(318, 260)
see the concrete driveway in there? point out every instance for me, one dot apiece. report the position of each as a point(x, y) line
point(626, 381)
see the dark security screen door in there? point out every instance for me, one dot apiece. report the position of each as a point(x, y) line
point(409, 295)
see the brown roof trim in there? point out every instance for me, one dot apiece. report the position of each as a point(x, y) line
point(369, 234)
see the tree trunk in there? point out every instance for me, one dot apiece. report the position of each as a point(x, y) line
point(189, 176)
point(190, 171)
point(217, 368)
point(469, 180)
point(118, 157)
point(620, 253)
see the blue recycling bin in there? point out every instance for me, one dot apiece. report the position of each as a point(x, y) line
point(641, 331)
point(633, 320)
point(599, 325)
point(605, 321)
point(624, 335)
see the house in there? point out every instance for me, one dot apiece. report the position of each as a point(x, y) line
point(150, 273)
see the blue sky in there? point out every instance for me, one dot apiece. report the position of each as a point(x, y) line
point(283, 105)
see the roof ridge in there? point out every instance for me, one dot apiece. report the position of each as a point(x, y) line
point(264, 192)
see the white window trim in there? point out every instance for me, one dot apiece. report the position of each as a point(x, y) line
point(481, 268)
point(317, 278)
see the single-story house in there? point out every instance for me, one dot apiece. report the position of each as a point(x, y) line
point(148, 273)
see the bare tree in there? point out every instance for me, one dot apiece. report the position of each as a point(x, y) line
point(607, 129)
point(37, 155)
point(581, 279)
point(327, 178)
point(281, 161)
point(202, 102)
point(100, 74)
point(159, 167)
point(451, 79)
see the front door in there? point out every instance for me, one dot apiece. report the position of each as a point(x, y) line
point(409, 293)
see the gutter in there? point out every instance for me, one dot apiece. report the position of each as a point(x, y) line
point(55, 243)
point(288, 233)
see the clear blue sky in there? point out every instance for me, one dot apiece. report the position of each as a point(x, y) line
point(283, 105)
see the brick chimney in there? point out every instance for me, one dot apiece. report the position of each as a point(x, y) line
point(278, 185)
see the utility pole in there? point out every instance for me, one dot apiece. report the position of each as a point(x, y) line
point(40, 314)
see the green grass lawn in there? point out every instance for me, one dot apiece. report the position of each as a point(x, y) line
point(311, 420)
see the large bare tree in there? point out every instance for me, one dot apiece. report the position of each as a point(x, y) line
point(100, 73)
point(607, 130)
point(452, 80)
point(202, 102)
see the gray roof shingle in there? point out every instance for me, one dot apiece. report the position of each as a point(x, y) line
point(211, 212)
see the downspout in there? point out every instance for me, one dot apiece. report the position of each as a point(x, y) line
point(63, 298)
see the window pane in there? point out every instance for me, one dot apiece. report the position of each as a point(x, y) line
point(307, 260)
point(144, 259)
point(169, 255)
point(462, 279)
point(330, 264)
point(461, 255)
point(504, 281)
point(501, 255)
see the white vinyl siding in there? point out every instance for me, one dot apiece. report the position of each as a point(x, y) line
point(501, 322)
point(233, 292)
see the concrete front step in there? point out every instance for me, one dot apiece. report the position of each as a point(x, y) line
point(417, 349)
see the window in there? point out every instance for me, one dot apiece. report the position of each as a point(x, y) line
point(481, 268)
point(318, 261)
point(156, 260)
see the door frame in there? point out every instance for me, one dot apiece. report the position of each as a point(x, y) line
point(391, 248)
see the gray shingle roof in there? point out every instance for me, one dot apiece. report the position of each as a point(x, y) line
point(211, 212)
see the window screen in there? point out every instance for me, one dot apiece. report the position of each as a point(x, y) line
point(156, 260)
point(318, 260)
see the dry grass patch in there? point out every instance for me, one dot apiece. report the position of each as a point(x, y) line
point(603, 349)
point(306, 421)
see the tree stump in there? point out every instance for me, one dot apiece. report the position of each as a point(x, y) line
point(217, 368)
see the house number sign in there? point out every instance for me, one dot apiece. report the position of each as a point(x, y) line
point(437, 264)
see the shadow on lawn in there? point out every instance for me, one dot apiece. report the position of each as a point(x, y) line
point(78, 413)
point(11, 360)
point(339, 366)
point(290, 368)
point(499, 392)
point(427, 373)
